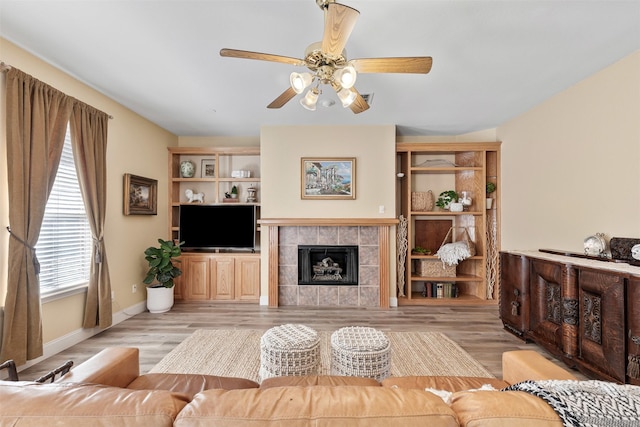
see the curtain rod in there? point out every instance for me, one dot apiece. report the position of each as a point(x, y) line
point(6, 67)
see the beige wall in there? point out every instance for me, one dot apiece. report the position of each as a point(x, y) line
point(282, 147)
point(135, 146)
point(571, 165)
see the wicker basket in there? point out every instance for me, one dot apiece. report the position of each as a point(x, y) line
point(422, 201)
point(433, 268)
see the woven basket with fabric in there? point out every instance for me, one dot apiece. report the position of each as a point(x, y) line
point(452, 251)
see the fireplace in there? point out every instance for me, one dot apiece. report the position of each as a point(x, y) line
point(327, 265)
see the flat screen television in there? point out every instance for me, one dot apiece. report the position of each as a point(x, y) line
point(218, 226)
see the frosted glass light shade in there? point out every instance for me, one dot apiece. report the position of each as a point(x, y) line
point(346, 77)
point(310, 99)
point(299, 81)
point(347, 96)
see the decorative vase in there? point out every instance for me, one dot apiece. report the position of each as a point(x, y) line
point(489, 202)
point(187, 169)
point(159, 299)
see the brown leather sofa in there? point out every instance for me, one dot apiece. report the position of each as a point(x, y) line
point(107, 390)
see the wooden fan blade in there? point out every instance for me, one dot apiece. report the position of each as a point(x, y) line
point(339, 21)
point(359, 105)
point(245, 54)
point(417, 64)
point(283, 98)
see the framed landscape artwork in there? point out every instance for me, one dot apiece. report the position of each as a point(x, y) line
point(328, 178)
point(140, 195)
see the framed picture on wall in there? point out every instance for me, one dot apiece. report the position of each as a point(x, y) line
point(140, 195)
point(328, 178)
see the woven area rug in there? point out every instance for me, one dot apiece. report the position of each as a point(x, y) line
point(236, 353)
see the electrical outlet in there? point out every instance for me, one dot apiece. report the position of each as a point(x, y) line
point(134, 288)
point(113, 296)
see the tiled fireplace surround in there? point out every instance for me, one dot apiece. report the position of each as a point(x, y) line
point(372, 239)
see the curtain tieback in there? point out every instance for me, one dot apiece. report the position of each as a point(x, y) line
point(97, 250)
point(36, 263)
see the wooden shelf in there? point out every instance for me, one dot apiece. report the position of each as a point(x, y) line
point(438, 167)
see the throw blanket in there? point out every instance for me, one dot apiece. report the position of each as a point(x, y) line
point(588, 403)
point(452, 253)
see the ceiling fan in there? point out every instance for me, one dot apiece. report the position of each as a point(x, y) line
point(328, 63)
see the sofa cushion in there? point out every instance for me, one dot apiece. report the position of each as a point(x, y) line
point(443, 383)
point(189, 384)
point(72, 404)
point(503, 408)
point(313, 380)
point(317, 406)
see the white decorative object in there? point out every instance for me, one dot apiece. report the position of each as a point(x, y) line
point(252, 198)
point(194, 197)
point(403, 244)
point(187, 169)
point(241, 174)
point(456, 207)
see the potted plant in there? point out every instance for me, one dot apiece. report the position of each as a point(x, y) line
point(161, 270)
point(446, 198)
point(491, 187)
point(234, 192)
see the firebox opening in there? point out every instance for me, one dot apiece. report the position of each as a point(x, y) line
point(327, 265)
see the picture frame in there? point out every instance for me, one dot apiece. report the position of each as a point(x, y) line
point(140, 195)
point(328, 178)
point(208, 168)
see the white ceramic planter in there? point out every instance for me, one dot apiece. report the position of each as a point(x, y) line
point(456, 207)
point(159, 300)
point(489, 202)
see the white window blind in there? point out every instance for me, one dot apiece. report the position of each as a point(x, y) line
point(64, 245)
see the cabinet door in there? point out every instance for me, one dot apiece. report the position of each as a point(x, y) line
point(633, 324)
point(601, 332)
point(514, 292)
point(222, 278)
point(247, 278)
point(196, 280)
point(545, 316)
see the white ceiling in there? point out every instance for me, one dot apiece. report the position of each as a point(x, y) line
point(492, 60)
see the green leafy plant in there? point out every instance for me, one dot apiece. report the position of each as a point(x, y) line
point(161, 259)
point(234, 190)
point(491, 187)
point(419, 250)
point(447, 197)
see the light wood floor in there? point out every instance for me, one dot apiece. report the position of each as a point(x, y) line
point(476, 329)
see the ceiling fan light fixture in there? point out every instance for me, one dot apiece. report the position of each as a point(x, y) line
point(346, 76)
point(300, 81)
point(310, 99)
point(347, 96)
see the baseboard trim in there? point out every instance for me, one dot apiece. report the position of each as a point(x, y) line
point(393, 302)
point(75, 337)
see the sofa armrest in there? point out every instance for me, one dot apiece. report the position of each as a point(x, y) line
point(113, 366)
point(522, 365)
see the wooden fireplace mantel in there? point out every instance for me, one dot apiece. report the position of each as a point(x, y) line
point(384, 241)
point(293, 222)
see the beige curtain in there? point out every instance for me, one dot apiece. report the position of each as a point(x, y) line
point(37, 117)
point(89, 140)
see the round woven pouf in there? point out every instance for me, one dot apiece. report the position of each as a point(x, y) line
point(289, 350)
point(358, 351)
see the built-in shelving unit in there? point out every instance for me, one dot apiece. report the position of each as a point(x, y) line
point(438, 167)
point(215, 275)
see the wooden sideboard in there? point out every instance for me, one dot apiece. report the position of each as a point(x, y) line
point(586, 312)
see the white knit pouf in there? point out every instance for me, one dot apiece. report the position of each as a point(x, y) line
point(289, 350)
point(359, 351)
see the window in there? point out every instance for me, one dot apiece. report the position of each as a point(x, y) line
point(64, 246)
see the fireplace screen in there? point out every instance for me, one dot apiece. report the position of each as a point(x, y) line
point(327, 265)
